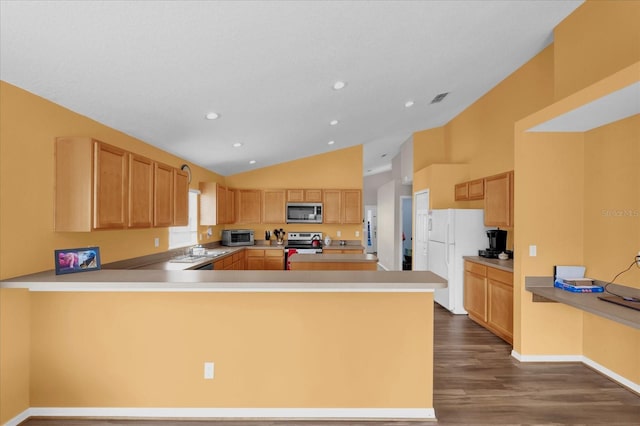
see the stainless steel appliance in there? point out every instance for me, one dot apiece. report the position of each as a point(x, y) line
point(303, 243)
point(237, 237)
point(304, 212)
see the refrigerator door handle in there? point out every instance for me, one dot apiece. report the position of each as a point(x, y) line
point(446, 246)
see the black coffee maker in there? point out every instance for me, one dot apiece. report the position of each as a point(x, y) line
point(497, 244)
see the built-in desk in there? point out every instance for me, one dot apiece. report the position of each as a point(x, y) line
point(543, 291)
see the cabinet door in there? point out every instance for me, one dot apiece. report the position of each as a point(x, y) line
point(462, 191)
point(498, 200)
point(111, 186)
point(295, 195)
point(500, 309)
point(180, 198)
point(476, 189)
point(230, 206)
point(352, 206)
point(273, 208)
point(249, 202)
point(140, 192)
point(475, 300)
point(222, 211)
point(331, 199)
point(208, 203)
point(274, 260)
point(313, 195)
point(163, 195)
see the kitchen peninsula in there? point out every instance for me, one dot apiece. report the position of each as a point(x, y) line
point(285, 344)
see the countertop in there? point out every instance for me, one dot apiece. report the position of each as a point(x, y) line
point(347, 258)
point(505, 265)
point(589, 302)
point(137, 280)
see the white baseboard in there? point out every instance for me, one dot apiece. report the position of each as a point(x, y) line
point(230, 413)
point(632, 386)
point(19, 418)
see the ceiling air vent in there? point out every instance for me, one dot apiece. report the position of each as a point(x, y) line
point(439, 97)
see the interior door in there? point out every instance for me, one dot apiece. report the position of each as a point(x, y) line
point(421, 231)
point(370, 230)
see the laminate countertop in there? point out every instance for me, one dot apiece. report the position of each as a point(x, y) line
point(505, 265)
point(326, 258)
point(138, 280)
point(588, 302)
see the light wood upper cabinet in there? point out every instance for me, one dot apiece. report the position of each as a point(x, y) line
point(99, 186)
point(249, 205)
point(273, 206)
point(217, 204)
point(351, 206)
point(342, 206)
point(141, 172)
point(163, 195)
point(111, 187)
point(498, 200)
point(471, 190)
point(304, 195)
point(180, 198)
point(476, 189)
point(331, 204)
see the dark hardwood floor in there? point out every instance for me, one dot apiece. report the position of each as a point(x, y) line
point(477, 382)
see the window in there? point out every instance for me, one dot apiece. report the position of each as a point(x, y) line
point(182, 236)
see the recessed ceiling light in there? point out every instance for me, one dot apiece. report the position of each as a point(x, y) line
point(331, 142)
point(237, 145)
point(408, 104)
point(339, 85)
point(212, 116)
point(333, 122)
point(252, 162)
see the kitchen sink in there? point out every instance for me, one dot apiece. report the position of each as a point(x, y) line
point(187, 259)
point(216, 253)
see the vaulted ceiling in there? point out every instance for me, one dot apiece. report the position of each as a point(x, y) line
point(154, 69)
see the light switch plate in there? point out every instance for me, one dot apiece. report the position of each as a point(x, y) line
point(533, 251)
point(208, 370)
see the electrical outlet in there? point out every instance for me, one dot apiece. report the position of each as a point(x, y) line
point(339, 234)
point(357, 233)
point(156, 242)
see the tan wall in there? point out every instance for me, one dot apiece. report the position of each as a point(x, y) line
point(286, 350)
point(440, 180)
point(612, 200)
point(340, 169)
point(15, 350)
point(596, 40)
point(30, 125)
point(429, 147)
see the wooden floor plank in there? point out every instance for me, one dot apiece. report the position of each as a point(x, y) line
point(476, 382)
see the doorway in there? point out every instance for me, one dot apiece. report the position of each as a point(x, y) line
point(406, 211)
point(370, 230)
point(421, 202)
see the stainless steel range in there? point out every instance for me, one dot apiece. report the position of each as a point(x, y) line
point(303, 243)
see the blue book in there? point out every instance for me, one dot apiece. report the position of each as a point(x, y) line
point(564, 285)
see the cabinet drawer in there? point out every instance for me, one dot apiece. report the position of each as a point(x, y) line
point(475, 268)
point(273, 253)
point(500, 275)
point(255, 253)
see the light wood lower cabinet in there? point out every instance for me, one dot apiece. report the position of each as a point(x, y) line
point(267, 259)
point(488, 298)
point(235, 262)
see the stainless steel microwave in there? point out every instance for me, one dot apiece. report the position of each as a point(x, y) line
point(304, 212)
point(237, 237)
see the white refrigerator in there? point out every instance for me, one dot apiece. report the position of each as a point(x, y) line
point(454, 233)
